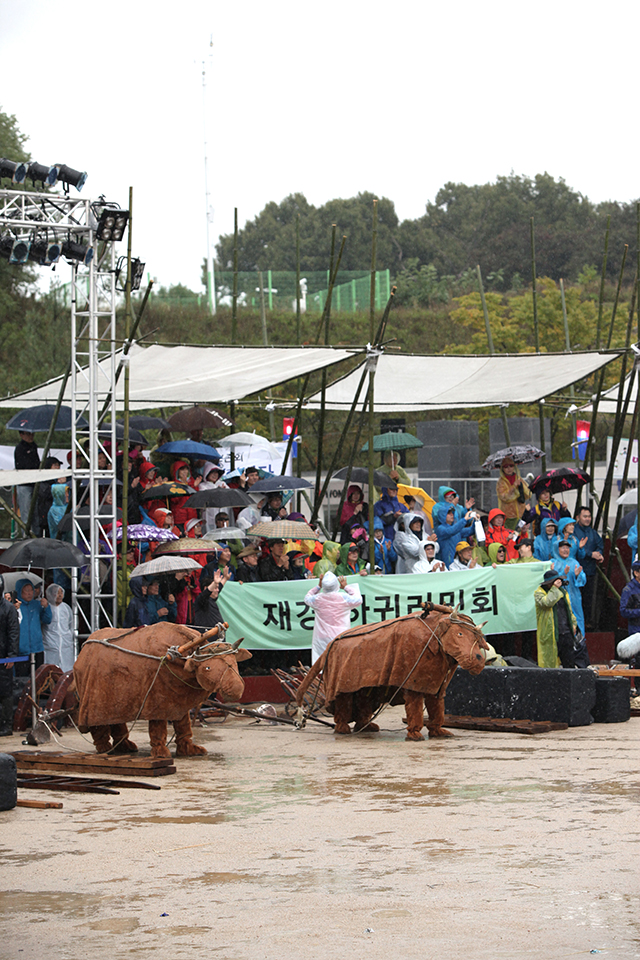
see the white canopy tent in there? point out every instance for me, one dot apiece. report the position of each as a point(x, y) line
point(162, 376)
point(609, 399)
point(406, 383)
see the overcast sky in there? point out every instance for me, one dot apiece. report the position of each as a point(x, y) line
point(326, 98)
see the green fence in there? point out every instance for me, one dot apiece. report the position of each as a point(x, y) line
point(350, 294)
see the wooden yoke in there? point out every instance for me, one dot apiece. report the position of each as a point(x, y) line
point(430, 607)
point(188, 648)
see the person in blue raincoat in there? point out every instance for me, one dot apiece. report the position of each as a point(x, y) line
point(571, 571)
point(389, 508)
point(448, 497)
point(544, 541)
point(565, 532)
point(33, 614)
point(385, 553)
point(451, 531)
point(630, 600)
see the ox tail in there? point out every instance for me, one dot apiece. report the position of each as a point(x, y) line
point(313, 672)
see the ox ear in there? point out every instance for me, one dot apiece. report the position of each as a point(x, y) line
point(481, 625)
point(243, 655)
point(456, 610)
point(190, 665)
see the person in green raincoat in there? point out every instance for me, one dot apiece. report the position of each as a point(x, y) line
point(557, 624)
point(350, 562)
point(330, 557)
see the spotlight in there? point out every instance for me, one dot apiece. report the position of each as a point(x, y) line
point(76, 251)
point(17, 171)
point(6, 246)
point(45, 253)
point(71, 177)
point(45, 175)
point(137, 273)
point(20, 251)
point(112, 224)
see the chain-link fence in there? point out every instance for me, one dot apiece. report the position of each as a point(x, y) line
point(350, 295)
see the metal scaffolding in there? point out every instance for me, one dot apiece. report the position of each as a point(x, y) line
point(56, 217)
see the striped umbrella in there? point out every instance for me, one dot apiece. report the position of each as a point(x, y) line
point(165, 565)
point(283, 530)
point(186, 545)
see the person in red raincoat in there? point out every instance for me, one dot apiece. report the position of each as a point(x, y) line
point(497, 533)
point(181, 473)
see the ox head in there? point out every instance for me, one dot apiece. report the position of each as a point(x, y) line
point(463, 640)
point(215, 668)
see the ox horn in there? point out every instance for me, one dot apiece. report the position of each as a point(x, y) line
point(191, 645)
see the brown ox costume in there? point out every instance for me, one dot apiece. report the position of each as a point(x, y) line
point(156, 673)
point(415, 655)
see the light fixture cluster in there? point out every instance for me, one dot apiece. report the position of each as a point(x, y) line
point(40, 173)
point(112, 224)
point(42, 250)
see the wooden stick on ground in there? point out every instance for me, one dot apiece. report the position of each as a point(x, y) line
point(40, 804)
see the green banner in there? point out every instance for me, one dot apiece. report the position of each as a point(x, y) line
point(274, 616)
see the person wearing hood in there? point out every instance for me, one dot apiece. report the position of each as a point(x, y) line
point(571, 571)
point(556, 623)
point(513, 493)
point(447, 498)
point(212, 474)
point(57, 636)
point(34, 614)
point(9, 648)
point(384, 550)
point(354, 505)
point(464, 559)
point(332, 601)
point(630, 600)
point(350, 562)
point(544, 541)
point(428, 562)
point(451, 531)
point(409, 542)
point(393, 469)
point(45, 497)
point(249, 516)
point(497, 554)
point(389, 509)
point(498, 532)
point(60, 498)
point(330, 557)
point(159, 609)
point(565, 532)
point(181, 473)
point(137, 614)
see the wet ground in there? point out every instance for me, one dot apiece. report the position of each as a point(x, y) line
point(284, 844)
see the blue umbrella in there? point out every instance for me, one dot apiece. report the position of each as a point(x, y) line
point(191, 449)
point(37, 419)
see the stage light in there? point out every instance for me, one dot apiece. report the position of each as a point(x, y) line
point(20, 251)
point(112, 224)
point(76, 251)
point(68, 176)
point(6, 246)
point(44, 252)
point(17, 171)
point(137, 273)
point(37, 172)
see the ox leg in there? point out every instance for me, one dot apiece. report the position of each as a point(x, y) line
point(158, 739)
point(101, 737)
point(185, 747)
point(435, 709)
point(414, 705)
point(362, 712)
point(342, 712)
point(120, 737)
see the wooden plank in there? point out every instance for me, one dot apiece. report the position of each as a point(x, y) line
point(40, 804)
point(617, 672)
point(94, 759)
point(98, 763)
point(503, 725)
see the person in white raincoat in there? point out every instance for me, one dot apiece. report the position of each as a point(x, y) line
point(332, 608)
point(212, 480)
point(57, 636)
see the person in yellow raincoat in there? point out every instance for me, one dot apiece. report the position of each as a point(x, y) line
point(513, 493)
point(556, 633)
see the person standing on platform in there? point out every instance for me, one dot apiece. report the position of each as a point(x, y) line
point(26, 457)
point(9, 647)
point(592, 557)
point(556, 632)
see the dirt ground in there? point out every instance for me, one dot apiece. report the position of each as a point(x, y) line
point(286, 844)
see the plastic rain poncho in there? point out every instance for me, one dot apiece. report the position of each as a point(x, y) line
point(332, 608)
point(57, 636)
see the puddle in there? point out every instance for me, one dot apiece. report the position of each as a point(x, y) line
point(21, 860)
point(114, 925)
point(63, 903)
point(390, 914)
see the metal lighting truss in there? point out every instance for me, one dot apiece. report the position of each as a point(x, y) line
point(93, 379)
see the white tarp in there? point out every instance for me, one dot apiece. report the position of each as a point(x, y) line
point(9, 478)
point(449, 382)
point(178, 376)
point(609, 399)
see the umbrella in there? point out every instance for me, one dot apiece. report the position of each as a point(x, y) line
point(199, 418)
point(245, 439)
point(522, 453)
point(10, 579)
point(39, 418)
point(143, 422)
point(361, 475)
point(165, 565)
point(226, 533)
point(187, 545)
point(142, 531)
point(628, 497)
point(134, 435)
point(557, 481)
point(43, 553)
point(282, 530)
point(190, 449)
point(220, 497)
point(274, 484)
point(235, 474)
point(163, 491)
point(394, 441)
point(83, 518)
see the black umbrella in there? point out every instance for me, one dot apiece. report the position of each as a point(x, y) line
point(522, 453)
point(83, 518)
point(560, 480)
point(272, 484)
point(134, 435)
point(361, 475)
point(143, 422)
point(43, 553)
point(220, 497)
point(37, 419)
point(162, 491)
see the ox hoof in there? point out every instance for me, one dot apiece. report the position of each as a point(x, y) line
point(342, 728)
point(160, 753)
point(369, 728)
point(127, 746)
point(190, 749)
point(414, 736)
point(440, 732)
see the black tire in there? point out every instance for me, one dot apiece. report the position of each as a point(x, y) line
point(8, 782)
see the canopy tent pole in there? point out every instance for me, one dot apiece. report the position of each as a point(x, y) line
point(125, 437)
point(627, 465)
point(323, 387)
point(298, 339)
point(372, 363)
point(536, 330)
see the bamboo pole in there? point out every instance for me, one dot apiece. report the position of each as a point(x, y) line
point(125, 437)
point(487, 324)
point(265, 340)
point(323, 380)
point(372, 363)
point(234, 297)
point(298, 341)
point(372, 283)
point(536, 331)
